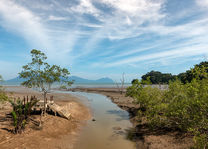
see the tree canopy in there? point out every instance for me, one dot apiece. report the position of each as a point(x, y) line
point(39, 74)
point(157, 77)
point(199, 71)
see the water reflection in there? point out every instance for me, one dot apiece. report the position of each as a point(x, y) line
point(123, 115)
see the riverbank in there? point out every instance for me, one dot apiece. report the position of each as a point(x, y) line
point(56, 132)
point(144, 138)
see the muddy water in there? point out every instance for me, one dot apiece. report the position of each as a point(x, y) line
point(108, 129)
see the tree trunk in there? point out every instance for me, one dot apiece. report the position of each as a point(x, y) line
point(44, 103)
point(41, 114)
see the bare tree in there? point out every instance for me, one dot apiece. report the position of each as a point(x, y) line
point(205, 57)
point(120, 85)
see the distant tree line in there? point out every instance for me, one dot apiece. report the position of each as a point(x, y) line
point(157, 77)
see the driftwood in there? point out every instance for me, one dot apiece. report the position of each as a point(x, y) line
point(63, 112)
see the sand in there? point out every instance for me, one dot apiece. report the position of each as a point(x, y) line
point(55, 133)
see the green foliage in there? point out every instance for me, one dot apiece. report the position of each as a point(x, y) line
point(200, 141)
point(199, 71)
point(63, 87)
point(157, 77)
point(3, 96)
point(21, 113)
point(40, 74)
point(183, 106)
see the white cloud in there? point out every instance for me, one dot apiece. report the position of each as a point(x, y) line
point(57, 26)
point(34, 29)
point(125, 21)
point(202, 3)
point(25, 23)
point(124, 15)
point(129, 17)
point(55, 18)
point(91, 25)
point(85, 6)
point(142, 8)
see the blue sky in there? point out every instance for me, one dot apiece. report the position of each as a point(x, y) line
point(104, 38)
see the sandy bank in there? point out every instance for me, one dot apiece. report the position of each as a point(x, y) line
point(56, 133)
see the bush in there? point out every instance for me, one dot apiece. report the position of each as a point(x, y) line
point(3, 97)
point(21, 113)
point(63, 87)
point(183, 107)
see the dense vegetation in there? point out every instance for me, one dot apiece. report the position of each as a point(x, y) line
point(200, 71)
point(182, 107)
point(157, 77)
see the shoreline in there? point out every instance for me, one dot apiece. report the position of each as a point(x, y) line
point(144, 138)
point(64, 134)
point(57, 132)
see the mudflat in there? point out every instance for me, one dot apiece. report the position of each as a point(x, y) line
point(56, 132)
point(144, 137)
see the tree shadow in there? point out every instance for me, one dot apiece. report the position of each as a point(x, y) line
point(142, 130)
point(7, 129)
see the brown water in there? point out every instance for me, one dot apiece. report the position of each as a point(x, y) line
point(108, 131)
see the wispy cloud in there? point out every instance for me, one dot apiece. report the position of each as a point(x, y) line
point(36, 31)
point(202, 3)
point(109, 33)
point(18, 19)
point(170, 54)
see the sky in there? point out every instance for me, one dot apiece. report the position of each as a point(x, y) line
point(104, 38)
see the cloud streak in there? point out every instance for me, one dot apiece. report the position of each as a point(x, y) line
point(182, 52)
point(109, 33)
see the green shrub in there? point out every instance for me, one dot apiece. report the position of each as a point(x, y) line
point(3, 97)
point(21, 113)
point(63, 87)
point(182, 106)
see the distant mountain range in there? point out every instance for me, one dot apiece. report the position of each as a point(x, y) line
point(82, 80)
point(77, 80)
